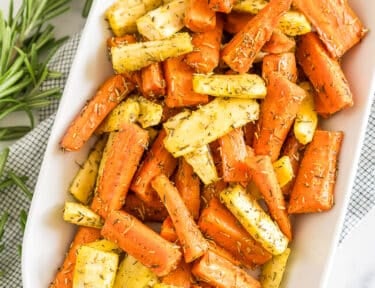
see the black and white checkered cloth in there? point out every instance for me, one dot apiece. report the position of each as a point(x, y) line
point(26, 158)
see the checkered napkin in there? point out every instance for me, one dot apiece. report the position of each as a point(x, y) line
point(26, 158)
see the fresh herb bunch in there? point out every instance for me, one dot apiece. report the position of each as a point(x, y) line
point(26, 45)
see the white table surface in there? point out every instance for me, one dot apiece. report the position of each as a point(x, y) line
point(354, 263)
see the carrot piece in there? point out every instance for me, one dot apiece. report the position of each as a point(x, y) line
point(293, 149)
point(179, 80)
point(120, 40)
point(221, 273)
point(112, 92)
point(180, 277)
point(336, 23)
point(193, 243)
point(121, 156)
point(154, 212)
point(218, 250)
point(278, 112)
point(64, 277)
point(249, 133)
point(264, 177)
point(199, 17)
point(167, 231)
point(206, 54)
point(279, 43)
point(218, 224)
point(224, 6)
point(332, 89)
point(235, 21)
point(284, 63)
point(212, 191)
point(158, 160)
point(141, 242)
point(314, 186)
point(153, 82)
point(233, 154)
point(188, 184)
point(241, 51)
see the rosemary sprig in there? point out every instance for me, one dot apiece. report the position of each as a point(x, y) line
point(26, 45)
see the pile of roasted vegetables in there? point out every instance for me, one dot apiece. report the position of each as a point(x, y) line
point(209, 127)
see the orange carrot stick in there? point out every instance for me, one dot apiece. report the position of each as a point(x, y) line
point(218, 224)
point(112, 92)
point(212, 191)
point(264, 177)
point(278, 112)
point(188, 184)
point(218, 250)
point(206, 54)
point(279, 43)
point(221, 273)
point(332, 89)
point(284, 63)
point(154, 212)
point(336, 23)
point(233, 155)
point(64, 277)
point(234, 22)
point(153, 82)
point(141, 242)
point(241, 51)
point(180, 277)
point(314, 186)
point(293, 149)
point(193, 243)
point(224, 6)
point(199, 17)
point(158, 160)
point(121, 156)
point(167, 230)
point(179, 79)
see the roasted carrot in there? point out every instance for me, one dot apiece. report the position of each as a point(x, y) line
point(235, 21)
point(279, 43)
point(264, 177)
point(199, 17)
point(221, 273)
point(120, 160)
point(218, 224)
point(313, 189)
point(241, 51)
point(293, 149)
point(206, 54)
point(64, 277)
point(154, 212)
point(332, 89)
point(278, 112)
point(141, 242)
point(233, 155)
point(153, 82)
point(212, 191)
point(284, 63)
point(167, 230)
point(193, 243)
point(178, 76)
point(336, 23)
point(158, 160)
point(180, 277)
point(249, 133)
point(120, 40)
point(188, 184)
point(218, 250)
point(112, 92)
point(224, 6)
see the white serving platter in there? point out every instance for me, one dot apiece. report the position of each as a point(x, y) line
point(47, 236)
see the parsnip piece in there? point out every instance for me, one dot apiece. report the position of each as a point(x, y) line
point(238, 86)
point(134, 56)
point(150, 113)
point(307, 118)
point(253, 218)
point(203, 164)
point(273, 270)
point(83, 183)
point(94, 268)
point(208, 123)
point(81, 215)
point(283, 170)
point(104, 245)
point(249, 6)
point(294, 23)
point(164, 21)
